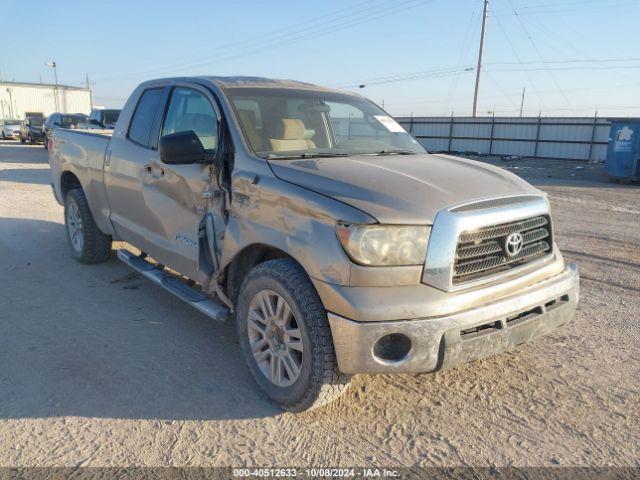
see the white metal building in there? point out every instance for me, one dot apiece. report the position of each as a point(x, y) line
point(17, 99)
point(575, 138)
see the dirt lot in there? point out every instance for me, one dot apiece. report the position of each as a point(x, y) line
point(99, 367)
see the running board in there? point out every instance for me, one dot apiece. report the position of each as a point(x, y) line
point(171, 283)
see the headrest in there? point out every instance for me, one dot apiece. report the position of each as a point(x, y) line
point(293, 129)
point(309, 133)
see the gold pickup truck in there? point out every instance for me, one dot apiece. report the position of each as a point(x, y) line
point(316, 223)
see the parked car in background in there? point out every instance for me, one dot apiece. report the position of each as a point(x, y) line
point(103, 119)
point(10, 129)
point(335, 252)
point(31, 129)
point(62, 120)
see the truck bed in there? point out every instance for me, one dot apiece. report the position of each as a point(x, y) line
point(81, 153)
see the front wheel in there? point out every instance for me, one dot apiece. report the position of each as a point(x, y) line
point(88, 244)
point(285, 337)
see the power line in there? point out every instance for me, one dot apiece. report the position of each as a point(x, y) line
point(469, 68)
point(535, 47)
point(274, 34)
point(298, 35)
point(464, 50)
point(566, 10)
point(515, 53)
point(410, 76)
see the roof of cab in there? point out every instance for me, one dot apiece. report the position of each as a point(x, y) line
point(227, 82)
point(249, 82)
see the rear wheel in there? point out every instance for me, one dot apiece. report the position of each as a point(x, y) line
point(285, 337)
point(88, 244)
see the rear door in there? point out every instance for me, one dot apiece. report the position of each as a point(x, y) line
point(177, 196)
point(126, 168)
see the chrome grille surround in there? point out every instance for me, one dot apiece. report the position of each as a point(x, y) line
point(481, 253)
point(480, 220)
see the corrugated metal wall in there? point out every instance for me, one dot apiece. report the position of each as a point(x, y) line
point(575, 138)
point(21, 98)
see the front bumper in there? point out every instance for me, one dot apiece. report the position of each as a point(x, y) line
point(439, 343)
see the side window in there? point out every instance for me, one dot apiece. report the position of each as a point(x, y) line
point(142, 120)
point(191, 110)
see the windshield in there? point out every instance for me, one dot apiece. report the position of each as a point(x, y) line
point(36, 121)
point(72, 120)
point(11, 123)
point(283, 122)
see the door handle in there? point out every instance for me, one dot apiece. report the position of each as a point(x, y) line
point(149, 169)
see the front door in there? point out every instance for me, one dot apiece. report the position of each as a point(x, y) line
point(177, 196)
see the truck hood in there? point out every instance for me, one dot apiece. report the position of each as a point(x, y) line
point(401, 189)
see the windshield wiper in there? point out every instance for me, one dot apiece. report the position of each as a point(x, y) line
point(395, 152)
point(279, 156)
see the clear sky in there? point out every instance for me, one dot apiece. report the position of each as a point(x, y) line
point(573, 56)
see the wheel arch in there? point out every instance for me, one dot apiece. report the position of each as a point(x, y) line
point(68, 181)
point(245, 260)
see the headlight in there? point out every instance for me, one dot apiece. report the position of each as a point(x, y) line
point(384, 245)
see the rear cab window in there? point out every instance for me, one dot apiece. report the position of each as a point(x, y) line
point(143, 117)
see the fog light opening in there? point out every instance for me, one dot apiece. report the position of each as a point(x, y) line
point(392, 348)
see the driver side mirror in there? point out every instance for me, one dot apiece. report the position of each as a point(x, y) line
point(183, 148)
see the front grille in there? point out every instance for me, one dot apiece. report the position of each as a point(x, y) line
point(482, 253)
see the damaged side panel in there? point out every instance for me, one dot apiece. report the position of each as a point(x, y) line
point(268, 211)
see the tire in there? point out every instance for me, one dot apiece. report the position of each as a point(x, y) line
point(88, 244)
point(44, 143)
point(21, 139)
point(318, 381)
point(30, 138)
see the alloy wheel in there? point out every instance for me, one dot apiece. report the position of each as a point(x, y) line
point(74, 227)
point(275, 338)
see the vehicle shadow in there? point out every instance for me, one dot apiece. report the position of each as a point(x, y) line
point(101, 341)
point(38, 176)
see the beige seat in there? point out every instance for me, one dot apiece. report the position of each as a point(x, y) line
point(248, 120)
point(292, 136)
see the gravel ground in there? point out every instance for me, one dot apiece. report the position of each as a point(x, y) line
point(99, 367)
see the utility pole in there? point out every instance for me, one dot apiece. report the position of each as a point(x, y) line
point(9, 91)
point(55, 75)
point(89, 88)
point(524, 89)
point(484, 23)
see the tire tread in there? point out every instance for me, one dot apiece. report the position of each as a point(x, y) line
point(97, 245)
point(327, 381)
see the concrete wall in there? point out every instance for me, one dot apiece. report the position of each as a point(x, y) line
point(18, 98)
point(575, 138)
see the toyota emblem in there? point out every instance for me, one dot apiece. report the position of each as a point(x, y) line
point(513, 244)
